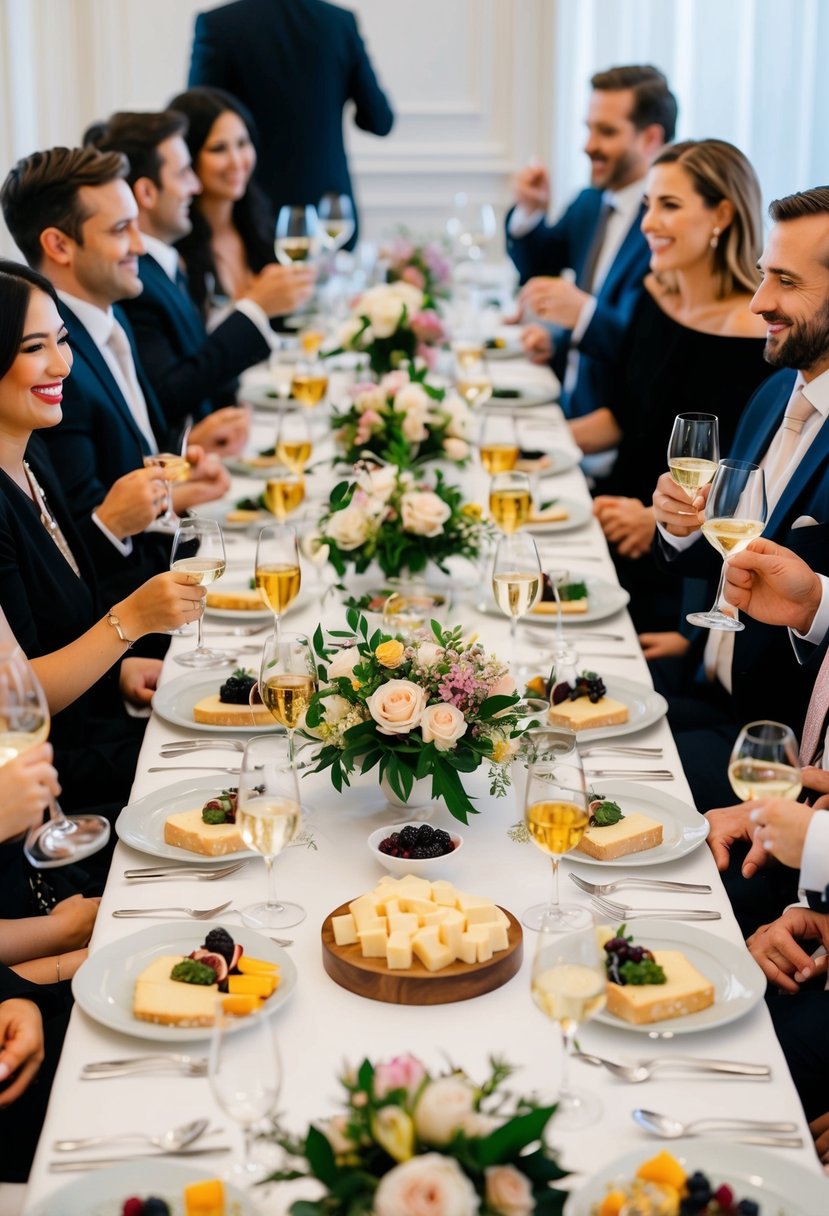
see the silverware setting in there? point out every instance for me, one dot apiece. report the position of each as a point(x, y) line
point(621, 912)
point(746, 1131)
point(629, 774)
point(182, 746)
point(182, 1065)
point(622, 749)
point(193, 913)
point(191, 768)
point(544, 639)
point(283, 941)
point(608, 654)
point(168, 1142)
point(650, 884)
point(65, 1166)
point(645, 1069)
point(204, 875)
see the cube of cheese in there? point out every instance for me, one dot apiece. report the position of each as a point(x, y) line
point(415, 904)
point(345, 930)
point(417, 888)
point(468, 949)
point(404, 922)
point(437, 916)
point(498, 938)
point(363, 910)
point(479, 914)
point(444, 893)
point(373, 942)
point(392, 907)
point(430, 950)
point(479, 934)
point(399, 952)
point(451, 930)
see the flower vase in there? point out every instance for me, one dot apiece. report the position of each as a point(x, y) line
point(420, 797)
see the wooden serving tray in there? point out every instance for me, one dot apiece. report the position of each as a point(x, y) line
point(371, 977)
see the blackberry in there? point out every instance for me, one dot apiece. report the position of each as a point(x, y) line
point(425, 834)
point(408, 837)
point(425, 852)
point(219, 941)
point(155, 1207)
point(236, 688)
point(443, 839)
point(748, 1207)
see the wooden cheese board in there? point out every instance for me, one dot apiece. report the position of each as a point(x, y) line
point(370, 977)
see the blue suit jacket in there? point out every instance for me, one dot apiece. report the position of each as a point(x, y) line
point(547, 250)
point(191, 372)
point(294, 64)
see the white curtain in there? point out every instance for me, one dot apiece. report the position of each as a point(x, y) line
point(743, 70)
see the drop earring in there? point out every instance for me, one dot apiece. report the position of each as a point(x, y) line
point(715, 238)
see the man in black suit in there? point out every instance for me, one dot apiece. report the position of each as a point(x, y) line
point(193, 373)
point(294, 64)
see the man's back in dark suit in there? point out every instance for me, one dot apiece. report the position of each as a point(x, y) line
point(294, 64)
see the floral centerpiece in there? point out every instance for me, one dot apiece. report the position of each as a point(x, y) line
point(422, 709)
point(426, 266)
point(411, 1143)
point(404, 420)
point(393, 324)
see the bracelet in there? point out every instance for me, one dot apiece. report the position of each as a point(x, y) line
point(57, 968)
point(115, 622)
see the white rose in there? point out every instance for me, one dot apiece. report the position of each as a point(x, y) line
point(460, 416)
point(349, 330)
point(383, 310)
point(429, 1185)
point(477, 1125)
point(455, 449)
point(407, 294)
point(343, 664)
point(336, 707)
point(428, 654)
point(442, 1108)
point(396, 706)
point(412, 397)
point(414, 427)
point(349, 528)
point(379, 482)
point(508, 1191)
point(369, 399)
point(423, 513)
point(442, 725)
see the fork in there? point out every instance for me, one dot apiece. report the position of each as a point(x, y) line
point(621, 912)
point(191, 768)
point(206, 875)
point(185, 1066)
point(179, 746)
point(628, 774)
point(651, 884)
point(621, 749)
point(241, 631)
point(194, 913)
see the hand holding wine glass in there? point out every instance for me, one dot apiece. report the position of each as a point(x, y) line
point(174, 468)
point(278, 576)
point(765, 763)
point(199, 552)
point(287, 680)
point(245, 1075)
point(693, 452)
point(268, 816)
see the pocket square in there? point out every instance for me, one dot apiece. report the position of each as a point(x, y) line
point(804, 521)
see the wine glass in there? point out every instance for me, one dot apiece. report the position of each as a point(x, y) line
point(297, 230)
point(278, 576)
point(569, 983)
point(175, 468)
point(293, 441)
point(510, 500)
point(245, 1076)
point(498, 443)
point(693, 452)
point(268, 816)
point(735, 513)
point(281, 364)
point(516, 581)
point(411, 607)
point(284, 493)
point(199, 552)
point(472, 379)
point(565, 657)
point(336, 214)
point(556, 815)
point(309, 383)
point(472, 225)
point(765, 763)
point(287, 680)
point(24, 723)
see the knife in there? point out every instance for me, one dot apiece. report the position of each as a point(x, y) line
point(99, 1163)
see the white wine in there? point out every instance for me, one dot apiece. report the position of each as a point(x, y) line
point(337, 232)
point(14, 742)
point(499, 457)
point(290, 249)
point(691, 472)
point(283, 495)
point(731, 535)
point(763, 779)
point(175, 467)
point(569, 993)
point(556, 826)
point(278, 585)
point(510, 508)
point(311, 340)
point(287, 696)
point(202, 570)
point(309, 387)
point(516, 591)
point(467, 354)
point(268, 823)
point(294, 453)
point(475, 390)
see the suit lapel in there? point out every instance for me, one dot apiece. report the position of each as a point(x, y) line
point(809, 463)
point(86, 348)
point(632, 247)
point(174, 300)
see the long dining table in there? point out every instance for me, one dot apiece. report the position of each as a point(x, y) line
point(324, 1027)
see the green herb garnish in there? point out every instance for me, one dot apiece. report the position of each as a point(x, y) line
point(508, 394)
point(572, 591)
point(605, 813)
point(189, 971)
point(646, 972)
point(214, 815)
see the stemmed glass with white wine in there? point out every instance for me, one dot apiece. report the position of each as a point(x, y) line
point(293, 440)
point(498, 446)
point(569, 983)
point(735, 514)
point(284, 493)
point(199, 552)
point(245, 1076)
point(472, 225)
point(473, 381)
point(277, 571)
point(268, 816)
point(556, 815)
point(336, 216)
point(516, 581)
point(175, 467)
point(510, 500)
point(24, 723)
point(297, 232)
point(287, 680)
point(694, 452)
point(765, 762)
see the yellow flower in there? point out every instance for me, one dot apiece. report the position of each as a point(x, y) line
point(355, 684)
point(390, 653)
point(394, 1131)
point(472, 510)
point(501, 750)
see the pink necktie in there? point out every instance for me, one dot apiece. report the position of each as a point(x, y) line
point(782, 447)
point(811, 742)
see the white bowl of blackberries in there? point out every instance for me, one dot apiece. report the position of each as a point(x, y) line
point(414, 848)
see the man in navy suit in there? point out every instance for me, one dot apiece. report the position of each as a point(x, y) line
point(295, 64)
point(631, 115)
point(193, 373)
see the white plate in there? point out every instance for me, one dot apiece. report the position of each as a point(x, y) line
point(578, 514)
point(683, 828)
point(644, 708)
point(779, 1187)
point(604, 599)
point(512, 349)
point(739, 984)
point(263, 397)
point(102, 1192)
point(562, 460)
point(243, 468)
point(103, 985)
point(237, 615)
point(219, 512)
point(175, 699)
point(528, 398)
point(141, 824)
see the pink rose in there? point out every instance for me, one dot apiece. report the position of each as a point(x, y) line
point(442, 725)
point(508, 1191)
point(411, 274)
point(403, 1072)
point(504, 686)
point(423, 512)
point(397, 706)
point(429, 1185)
point(392, 382)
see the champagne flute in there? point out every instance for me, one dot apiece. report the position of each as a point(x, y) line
point(556, 815)
point(569, 983)
point(336, 214)
point(693, 451)
point(268, 816)
point(516, 581)
point(735, 513)
point(473, 225)
point(765, 762)
point(297, 229)
point(293, 441)
point(175, 467)
point(278, 575)
point(199, 552)
point(287, 680)
point(510, 500)
point(245, 1076)
point(282, 363)
point(284, 493)
point(309, 383)
point(498, 445)
point(24, 723)
point(472, 379)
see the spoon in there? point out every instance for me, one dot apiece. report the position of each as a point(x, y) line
point(636, 1073)
point(176, 1138)
point(672, 1129)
